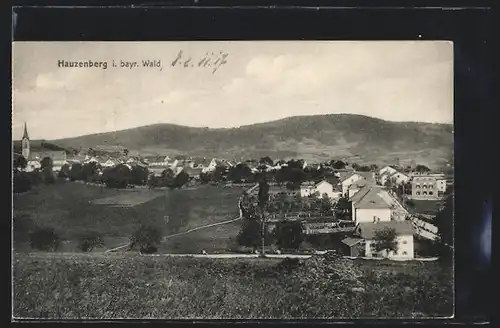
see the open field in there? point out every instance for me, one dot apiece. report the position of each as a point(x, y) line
point(69, 208)
point(132, 286)
point(129, 199)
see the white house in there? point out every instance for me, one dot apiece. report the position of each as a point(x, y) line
point(110, 163)
point(388, 169)
point(33, 165)
point(368, 205)
point(404, 238)
point(348, 181)
point(322, 187)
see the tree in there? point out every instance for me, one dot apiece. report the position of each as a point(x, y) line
point(422, 169)
point(180, 179)
point(89, 171)
point(75, 173)
point(385, 240)
point(90, 240)
point(64, 172)
point(167, 178)
point(147, 238)
point(116, 177)
point(205, 177)
point(343, 207)
point(250, 233)
point(289, 234)
point(338, 165)
point(325, 205)
point(46, 166)
point(46, 163)
point(266, 160)
point(20, 163)
point(139, 175)
point(153, 181)
point(239, 172)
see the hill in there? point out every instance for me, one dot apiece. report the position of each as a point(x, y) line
point(315, 138)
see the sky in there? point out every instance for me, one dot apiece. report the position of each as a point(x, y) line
point(260, 81)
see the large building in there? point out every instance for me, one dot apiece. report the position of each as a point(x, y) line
point(425, 187)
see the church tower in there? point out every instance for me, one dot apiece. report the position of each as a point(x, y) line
point(26, 143)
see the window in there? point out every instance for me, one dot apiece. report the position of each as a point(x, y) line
point(404, 253)
point(418, 192)
point(424, 186)
point(430, 193)
point(424, 193)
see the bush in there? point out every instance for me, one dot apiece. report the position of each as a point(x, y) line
point(90, 240)
point(44, 239)
point(147, 238)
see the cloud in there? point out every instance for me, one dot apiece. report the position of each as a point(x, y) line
point(272, 80)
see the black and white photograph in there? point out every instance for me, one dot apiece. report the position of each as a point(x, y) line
point(232, 180)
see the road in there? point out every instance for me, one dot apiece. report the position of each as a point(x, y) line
point(211, 256)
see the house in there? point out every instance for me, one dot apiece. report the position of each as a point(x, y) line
point(322, 187)
point(355, 187)
point(424, 187)
point(395, 177)
point(33, 165)
point(389, 169)
point(348, 181)
point(368, 205)
point(351, 178)
point(110, 162)
point(192, 172)
point(404, 238)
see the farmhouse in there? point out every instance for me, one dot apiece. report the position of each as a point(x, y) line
point(368, 205)
point(320, 188)
point(348, 181)
point(387, 169)
point(404, 238)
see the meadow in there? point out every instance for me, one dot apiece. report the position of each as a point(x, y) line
point(73, 209)
point(98, 286)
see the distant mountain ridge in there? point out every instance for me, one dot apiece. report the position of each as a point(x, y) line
point(315, 138)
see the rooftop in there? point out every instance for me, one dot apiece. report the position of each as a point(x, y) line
point(367, 230)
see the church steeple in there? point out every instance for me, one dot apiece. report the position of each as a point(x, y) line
point(26, 143)
point(25, 135)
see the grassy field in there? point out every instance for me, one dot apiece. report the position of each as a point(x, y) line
point(73, 208)
point(132, 286)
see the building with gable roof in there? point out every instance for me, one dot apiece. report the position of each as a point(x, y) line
point(404, 238)
point(368, 205)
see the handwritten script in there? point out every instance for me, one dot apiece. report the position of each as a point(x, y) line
point(210, 60)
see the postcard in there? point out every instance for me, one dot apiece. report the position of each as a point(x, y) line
point(232, 180)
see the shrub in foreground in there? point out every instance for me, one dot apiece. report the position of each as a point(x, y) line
point(90, 240)
point(146, 238)
point(44, 239)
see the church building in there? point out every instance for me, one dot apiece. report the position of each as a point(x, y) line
point(34, 152)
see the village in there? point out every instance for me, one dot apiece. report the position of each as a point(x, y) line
point(350, 202)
